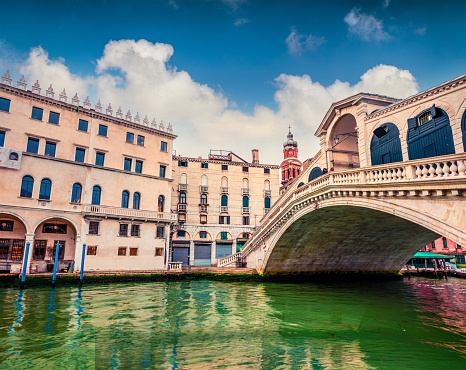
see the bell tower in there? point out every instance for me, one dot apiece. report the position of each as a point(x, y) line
point(291, 166)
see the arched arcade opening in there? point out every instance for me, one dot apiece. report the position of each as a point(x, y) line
point(12, 241)
point(343, 144)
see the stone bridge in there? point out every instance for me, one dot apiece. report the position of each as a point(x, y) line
point(367, 220)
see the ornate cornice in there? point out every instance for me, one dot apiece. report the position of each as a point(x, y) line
point(245, 164)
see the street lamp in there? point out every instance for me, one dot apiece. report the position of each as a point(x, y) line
point(346, 135)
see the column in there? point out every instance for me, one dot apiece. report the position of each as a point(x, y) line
point(30, 239)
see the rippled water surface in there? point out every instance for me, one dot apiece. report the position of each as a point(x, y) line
point(410, 324)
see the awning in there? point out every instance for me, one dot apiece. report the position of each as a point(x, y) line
point(431, 255)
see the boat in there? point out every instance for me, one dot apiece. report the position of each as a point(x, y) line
point(461, 272)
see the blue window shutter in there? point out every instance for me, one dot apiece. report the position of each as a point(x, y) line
point(219, 219)
point(228, 220)
point(412, 123)
point(433, 111)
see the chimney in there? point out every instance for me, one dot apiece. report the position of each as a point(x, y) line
point(255, 156)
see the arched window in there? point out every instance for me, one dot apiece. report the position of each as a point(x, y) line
point(45, 189)
point(96, 195)
point(26, 186)
point(266, 185)
point(224, 201)
point(386, 145)
point(161, 202)
point(76, 193)
point(183, 198)
point(315, 173)
point(245, 201)
point(245, 184)
point(224, 182)
point(183, 178)
point(124, 199)
point(204, 180)
point(136, 200)
point(203, 198)
point(300, 184)
point(266, 203)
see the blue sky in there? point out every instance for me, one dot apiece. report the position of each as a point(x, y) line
point(239, 70)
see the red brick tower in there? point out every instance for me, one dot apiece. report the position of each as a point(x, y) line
point(291, 166)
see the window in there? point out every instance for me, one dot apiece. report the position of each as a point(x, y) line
point(45, 189)
point(122, 251)
point(181, 217)
point(82, 125)
point(445, 244)
point(133, 251)
point(224, 167)
point(76, 193)
point(124, 199)
point(136, 200)
point(26, 186)
point(2, 138)
point(54, 117)
point(245, 169)
point(267, 203)
point(224, 220)
point(182, 163)
point(163, 146)
point(140, 140)
point(203, 198)
point(54, 229)
point(425, 117)
point(91, 251)
point(33, 145)
point(181, 234)
point(158, 252)
point(160, 203)
point(128, 164)
point(39, 249)
point(266, 170)
point(94, 227)
point(203, 234)
point(182, 198)
point(162, 171)
point(99, 158)
point(246, 202)
point(103, 130)
point(223, 235)
point(203, 219)
point(61, 249)
point(204, 165)
point(135, 229)
point(79, 155)
point(6, 225)
point(138, 167)
point(160, 233)
point(224, 201)
point(37, 113)
point(4, 104)
point(123, 230)
point(130, 137)
point(96, 195)
point(245, 220)
point(50, 149)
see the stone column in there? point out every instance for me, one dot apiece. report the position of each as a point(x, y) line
point(30, 239)
point(78, 250)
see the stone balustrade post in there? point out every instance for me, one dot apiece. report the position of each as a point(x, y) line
point(410, 172)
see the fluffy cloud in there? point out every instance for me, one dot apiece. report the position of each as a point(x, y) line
point(420, 31)
point(297, 43)
point(365, 26)
point(386, 3)
point(241, 21)
point(136, 75)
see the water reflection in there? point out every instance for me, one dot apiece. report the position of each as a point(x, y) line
point(180, 325)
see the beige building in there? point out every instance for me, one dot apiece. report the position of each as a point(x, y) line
point(71, 174)
point(218, 202)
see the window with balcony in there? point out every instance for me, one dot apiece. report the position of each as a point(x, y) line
point(160, 203)
point(99, 158)
point(82, 125)
point(54, 118)
point(130, 137)
point(127, 164)
point(224, 201)
point(124, 199)
point(103, 130)
point(135, 230)
point(136, 200)
point(204, 199)
point(266, 203)
point(5, 104)
point(138, 167)
point(50, 149)
point(33, 145)
point(45, 189)
point(37, 113)
point(94, 227)
point(182, 198)
point(123, 230)
point(27, 185)
point(162, 171)
point(79, 155)
point(140, 140)
point(164, 146)
point(96, 192)
point(160, 232)
point(76, 193)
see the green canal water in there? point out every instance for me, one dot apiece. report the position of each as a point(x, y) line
point(409, 324)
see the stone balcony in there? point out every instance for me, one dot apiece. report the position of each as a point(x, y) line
point(267, 193)
point(183, 187)
point(203, 189)
point(127, 213)
point(224, 190)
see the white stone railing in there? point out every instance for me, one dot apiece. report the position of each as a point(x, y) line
point(108, 211)
point(427, 169)
point(175, 266)
point(228, 260)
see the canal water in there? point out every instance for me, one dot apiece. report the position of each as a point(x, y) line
point(409, 324)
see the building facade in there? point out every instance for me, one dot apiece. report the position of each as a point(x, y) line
point(446, 246)
point(218, 202)
point(73, 175)
point(291, 166)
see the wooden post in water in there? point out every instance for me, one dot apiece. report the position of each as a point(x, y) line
point(54, 278)
point(81, 274)
point(25, 264)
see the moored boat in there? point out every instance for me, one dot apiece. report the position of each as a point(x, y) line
point(461, 272)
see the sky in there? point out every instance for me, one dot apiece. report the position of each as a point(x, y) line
point(233, 74)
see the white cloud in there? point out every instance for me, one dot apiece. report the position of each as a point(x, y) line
point(365, 26)
point(233, 4)
point(421, 31)
point(241, 21)
point(136, 75)
point(298, 43)
point(386, 3)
